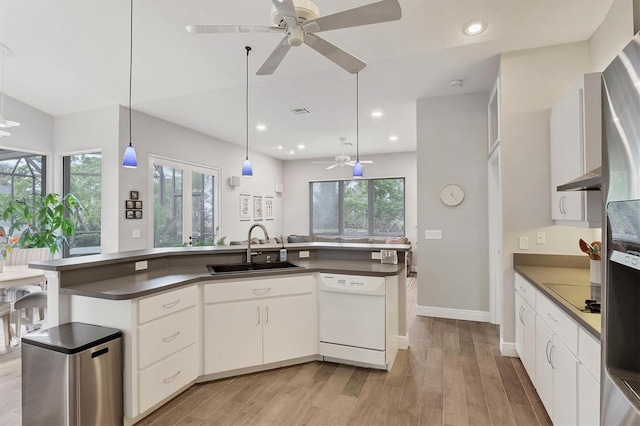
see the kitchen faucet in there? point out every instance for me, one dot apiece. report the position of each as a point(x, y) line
point(266, 237)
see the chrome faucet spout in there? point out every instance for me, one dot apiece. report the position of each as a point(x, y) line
point(266, 236)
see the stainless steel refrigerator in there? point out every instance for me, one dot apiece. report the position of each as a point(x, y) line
point(620, 381)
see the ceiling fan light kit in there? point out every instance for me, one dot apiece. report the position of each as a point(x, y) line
point(247, 170)
point(300, 20)
point(130, 159)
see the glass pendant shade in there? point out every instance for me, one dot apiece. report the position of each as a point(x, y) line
point(357, 169)
point(130, 159)
point(247, 170)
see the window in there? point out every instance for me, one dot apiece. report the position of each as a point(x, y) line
point(357, 207)
point(82, 177)
point(179, 221)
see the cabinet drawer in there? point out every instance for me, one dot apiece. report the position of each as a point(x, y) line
point(166, 303)
point(526, 290)
point(166, 335)
point(258, 288)
point(166, 377)
point(563, 326)
point(589, 352)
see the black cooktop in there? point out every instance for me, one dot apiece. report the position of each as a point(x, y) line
point(583, 297)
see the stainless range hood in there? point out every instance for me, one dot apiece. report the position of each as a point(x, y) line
point(587, 182)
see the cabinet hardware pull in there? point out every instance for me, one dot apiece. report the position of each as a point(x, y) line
point(551, 356)
point(524, 290)
point(546, 352)
point(266, 314)
point(261, 291)
point(172, 378)
point(258, 316)
point(171, 305)
point(170, 338)
point(560, 204)
point(551, 317)
point(520, 314)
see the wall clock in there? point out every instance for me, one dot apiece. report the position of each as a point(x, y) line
point(452, 194)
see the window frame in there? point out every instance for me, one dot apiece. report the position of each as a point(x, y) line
point(370, 207)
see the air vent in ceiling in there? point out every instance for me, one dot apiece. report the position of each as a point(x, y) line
point(300, 110)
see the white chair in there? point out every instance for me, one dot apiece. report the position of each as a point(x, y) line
point(5, 311)
point(24, 315)
point(20, 256)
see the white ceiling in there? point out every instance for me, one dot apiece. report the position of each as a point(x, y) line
point(72, 55)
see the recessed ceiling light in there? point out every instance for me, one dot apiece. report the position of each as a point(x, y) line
point(279, 146)
point(393, 138)
point(456, 83)
point(474, 27)
point(301, 146)
point(261, 127)
point(292, 152)
point(376, 114)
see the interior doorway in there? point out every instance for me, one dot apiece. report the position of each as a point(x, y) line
point(495, 237)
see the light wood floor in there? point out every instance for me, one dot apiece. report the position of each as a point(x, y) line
point(453, 374)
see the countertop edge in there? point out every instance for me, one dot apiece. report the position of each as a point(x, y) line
point(572, 312)
point(196, 277)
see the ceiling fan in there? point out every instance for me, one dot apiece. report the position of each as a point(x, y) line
point(342, 159)
point(300, 20)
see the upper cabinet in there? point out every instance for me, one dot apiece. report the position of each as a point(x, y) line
point(576, 148)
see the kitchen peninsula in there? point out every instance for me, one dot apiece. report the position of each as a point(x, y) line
point(183, 324)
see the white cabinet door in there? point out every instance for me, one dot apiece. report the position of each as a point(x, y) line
point(573, 160)
point(289, 328)
point(232, 335)
point(519, 326)
point(588, 398)
point(557, 160)
point(565, 382)
point(529, 357)
point(544, 370)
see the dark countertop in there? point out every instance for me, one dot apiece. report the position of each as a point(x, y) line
point(541, 270)
point(149, 282)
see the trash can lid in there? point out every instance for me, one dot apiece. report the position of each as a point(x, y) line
point(72, 337)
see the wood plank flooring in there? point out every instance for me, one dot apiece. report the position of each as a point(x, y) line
point(453, 374)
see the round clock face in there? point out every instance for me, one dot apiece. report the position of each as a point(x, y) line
point(452, 194)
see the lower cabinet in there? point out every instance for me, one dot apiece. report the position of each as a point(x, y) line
point(588, 398)
point(526, 335)
point(250, 323)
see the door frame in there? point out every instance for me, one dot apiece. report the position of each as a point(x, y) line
point(495, 236)
point(188, 168)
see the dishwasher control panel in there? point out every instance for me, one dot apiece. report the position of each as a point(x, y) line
point(352, 284)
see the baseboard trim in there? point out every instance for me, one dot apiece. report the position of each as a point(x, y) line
point(452, 313)
point(403, 342)
point(508, 349)
point(414, 269)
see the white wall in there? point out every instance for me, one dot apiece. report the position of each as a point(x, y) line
point(613, 34)
point(452, 148)
point(153, 136)
point(298, 174)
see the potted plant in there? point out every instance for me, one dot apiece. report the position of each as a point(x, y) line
point(44, 222)
point(5, 249)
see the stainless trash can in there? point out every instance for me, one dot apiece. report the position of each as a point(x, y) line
point(72, 375)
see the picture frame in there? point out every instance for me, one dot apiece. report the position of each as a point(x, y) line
point(245, 209)
point(133, 195)
point(257, 207)
point(128, 205)
point(137, 205)
point(128, 214)
point(137, 214)
point(268, 208)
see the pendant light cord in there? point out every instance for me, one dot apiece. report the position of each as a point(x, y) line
point(130, 67)
point(357, 118)
point(246, 103)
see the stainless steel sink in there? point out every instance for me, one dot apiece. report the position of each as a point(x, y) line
point(249, 267)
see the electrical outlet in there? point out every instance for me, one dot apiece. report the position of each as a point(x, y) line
point(541, 237)
point(141, 265)
point(135, 233)
point(376, 255)
point(523, 243)
point(303, 254)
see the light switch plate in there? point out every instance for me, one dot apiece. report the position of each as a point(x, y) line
point(433, 234)
point(141, 265)
point(302, 254)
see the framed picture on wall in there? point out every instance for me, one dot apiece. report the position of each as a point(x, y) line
point(133, 195)
point(268, 208)
point(128, 214)
point(245, 208)
point(128, 204)
point(257, 207)
point(137, 205)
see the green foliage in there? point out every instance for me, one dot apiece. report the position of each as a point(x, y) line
point(44, 221)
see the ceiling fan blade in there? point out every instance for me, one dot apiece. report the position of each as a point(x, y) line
point(366, 162)
point(217, 29)
point(322, 162)
point(382, 11)
point(334, 53)
point(275, 58)
point(288, 12)
point(331, 167)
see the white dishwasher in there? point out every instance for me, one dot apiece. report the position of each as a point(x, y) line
point(352, 312)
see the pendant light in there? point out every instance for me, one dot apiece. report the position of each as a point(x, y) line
point(357, 167)
point(247, 170)
point(130, 160)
